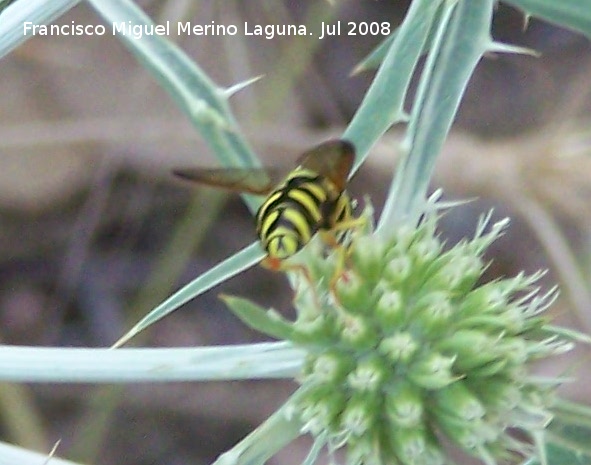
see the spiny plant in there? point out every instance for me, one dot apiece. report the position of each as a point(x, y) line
point(404, 347)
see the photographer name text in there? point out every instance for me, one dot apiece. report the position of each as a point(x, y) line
point(267, 31)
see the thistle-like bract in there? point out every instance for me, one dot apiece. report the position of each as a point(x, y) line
point(406, 351)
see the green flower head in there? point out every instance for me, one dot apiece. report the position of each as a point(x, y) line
point(406, 350)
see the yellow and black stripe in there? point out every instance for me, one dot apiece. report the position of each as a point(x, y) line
point(303, 204)
point(310, 198)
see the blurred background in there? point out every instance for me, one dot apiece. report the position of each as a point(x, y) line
point(95, 231)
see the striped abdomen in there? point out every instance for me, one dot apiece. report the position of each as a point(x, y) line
point(300, 206)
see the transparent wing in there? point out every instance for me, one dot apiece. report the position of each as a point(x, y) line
point(332, 159)
point(252, 180)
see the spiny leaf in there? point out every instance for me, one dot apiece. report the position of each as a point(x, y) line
point(4, 4)
point(258, 318)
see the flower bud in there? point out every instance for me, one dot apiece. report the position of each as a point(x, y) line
point(368, 259)
point(404, 405)
point(457, 400)
point(360, 414)
point(397, 270)
point(390, 310)
point(331, 367)
point(356, 331)
point(409, 444)
point(472, 349)
point(369, 375)
point(433, 371)
point(353, 294)
point(320, 408)
point(399, 347)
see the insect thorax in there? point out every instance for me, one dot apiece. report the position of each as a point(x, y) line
point(300, 206)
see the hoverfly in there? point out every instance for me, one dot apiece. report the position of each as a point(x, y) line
point(309, 199)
